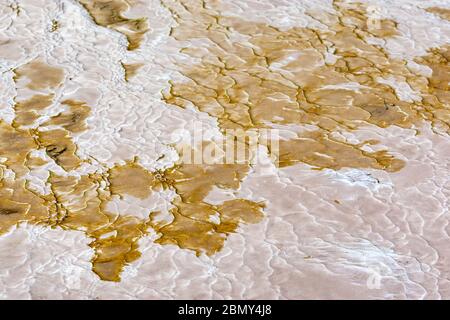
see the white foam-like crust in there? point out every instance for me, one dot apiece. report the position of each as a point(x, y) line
point(386, 236)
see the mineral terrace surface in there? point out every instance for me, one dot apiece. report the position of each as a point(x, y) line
point(349, 198)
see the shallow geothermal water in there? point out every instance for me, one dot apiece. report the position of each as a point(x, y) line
point(241, 149)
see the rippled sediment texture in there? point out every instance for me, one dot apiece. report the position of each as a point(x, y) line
point(355, 204)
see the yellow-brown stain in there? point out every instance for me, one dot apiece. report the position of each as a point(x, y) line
point(74, 119)
point(131, 179)
point(15, 7)
point(193, 229)
point(113, 252)
point(328, 79)
point(321, 151)
point(34, 162)
point(360, 17)
point(444, 13)
point(193, 226)
point(15, 145)
point(19, 204)
point(55, 25)
point(82, 204)
point(131, 69)
point(27, 111)
point(109, 13)
point(438, 84)
point(59, 146)
point(40, 75)
point(43, 80)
